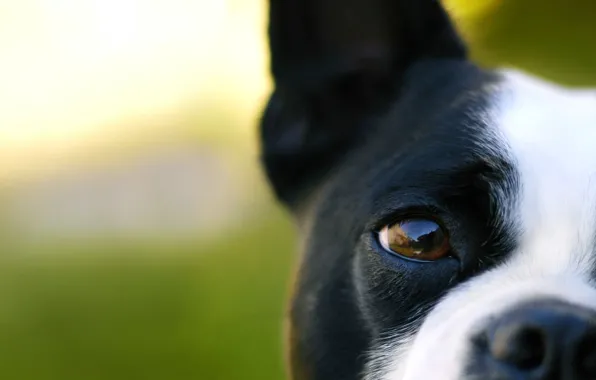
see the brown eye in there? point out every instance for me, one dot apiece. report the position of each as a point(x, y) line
point(419, 239)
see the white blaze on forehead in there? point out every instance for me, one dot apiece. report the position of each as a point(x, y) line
point(548, 133)
point(551, 133)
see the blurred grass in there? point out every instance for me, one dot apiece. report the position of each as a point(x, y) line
point(145, 311)
point(550, 38)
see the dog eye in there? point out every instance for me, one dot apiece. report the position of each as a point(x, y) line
point(419, 239)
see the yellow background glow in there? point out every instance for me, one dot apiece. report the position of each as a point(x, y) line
point(77, 73)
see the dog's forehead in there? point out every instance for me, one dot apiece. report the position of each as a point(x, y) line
point(440, 121)
point(549, 133)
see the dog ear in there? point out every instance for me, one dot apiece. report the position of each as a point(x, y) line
point(334, 62)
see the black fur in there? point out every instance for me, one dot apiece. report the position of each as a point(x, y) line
point(335, 62)
point(374, 115)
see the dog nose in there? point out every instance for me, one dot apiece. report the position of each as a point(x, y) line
point(544, 340)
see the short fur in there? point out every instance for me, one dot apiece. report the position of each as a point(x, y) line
point(377, 114)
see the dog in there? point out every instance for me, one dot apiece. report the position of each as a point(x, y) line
point(446, 212)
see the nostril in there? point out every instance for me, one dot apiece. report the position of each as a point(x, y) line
point(587, 358)
point(588, 364)
point(521, 346)
point(544, 339)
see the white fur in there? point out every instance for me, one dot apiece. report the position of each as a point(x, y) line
point(550, 135)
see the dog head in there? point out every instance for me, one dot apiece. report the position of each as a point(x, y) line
point(447, 213)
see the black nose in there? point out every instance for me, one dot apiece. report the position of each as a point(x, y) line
point(542, 340)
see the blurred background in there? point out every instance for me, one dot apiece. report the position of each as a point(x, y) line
point(138, 239)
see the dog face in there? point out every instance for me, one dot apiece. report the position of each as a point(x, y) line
point(447, 213)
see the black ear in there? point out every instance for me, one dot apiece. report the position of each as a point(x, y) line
point(334, 63)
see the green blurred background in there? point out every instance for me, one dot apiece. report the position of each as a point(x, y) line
point(138, 239)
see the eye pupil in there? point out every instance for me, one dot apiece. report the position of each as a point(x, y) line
point(416, 238)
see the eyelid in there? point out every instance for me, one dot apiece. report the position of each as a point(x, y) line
point(390, 216)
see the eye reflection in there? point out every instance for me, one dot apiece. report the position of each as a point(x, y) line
point(420, 239)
